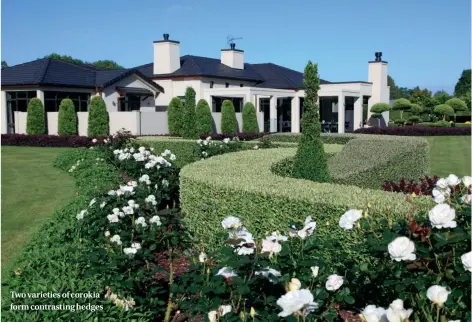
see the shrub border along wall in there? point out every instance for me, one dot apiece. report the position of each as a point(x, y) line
point(44, 140)
point(242, 184)
point(416, 130)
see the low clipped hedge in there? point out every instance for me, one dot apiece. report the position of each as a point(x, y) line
point(416, 130)
point(369, 161)
point(44, 140)
point(328, 138)
point(242, 184)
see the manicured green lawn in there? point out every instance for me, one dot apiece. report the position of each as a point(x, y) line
point(32, 189)
point(449, 154)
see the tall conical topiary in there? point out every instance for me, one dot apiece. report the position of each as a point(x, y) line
point(229, 123)
point(175, 116)
point(189, 130)
point(311, 161)
point(203, 117)
point(98, 119)
point(35, 121)
point(250, 118)
point(67, 118)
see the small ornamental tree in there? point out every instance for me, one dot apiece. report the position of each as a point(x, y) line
point(401, 104)
point(250, 118)
point(175, 116)
point(98, 119)
point(377, 110)
point(189, 130)
point(67, 119)
point(444, 109)
point(204, 118)
point(310, 160)
point(229, 123)
point(416, 109)
point(457, 105)
point(35, 121)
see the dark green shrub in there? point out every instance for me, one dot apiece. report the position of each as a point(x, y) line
point(399, 121)
point(401, 104)
point(98, 119)
point(377, 110)
point(444, 110)
point(175, 116)
point(229, 123)
point(204, 118)
point(189, 129)
point(457, 104)
point(35, 121)
point(250, 118)
point(416, 109)
point(441, 124)
point(310, 160)
point(67, 119)
point(414, 119)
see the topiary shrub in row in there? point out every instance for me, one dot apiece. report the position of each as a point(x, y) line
point(67, 118)
point(98, 118)
point(189, 130)
point(229, 123)
point(35, 120)
point(204, 120)
point(250, 119)
point(175, 117)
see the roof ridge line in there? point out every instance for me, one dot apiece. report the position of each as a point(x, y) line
point(289, 80)
point(41, 78)
point(195, 63)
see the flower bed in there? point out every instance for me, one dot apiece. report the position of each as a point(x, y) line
point(415, 131)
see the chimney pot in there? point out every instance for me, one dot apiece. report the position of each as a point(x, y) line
point(232, 45)
point(166, 36)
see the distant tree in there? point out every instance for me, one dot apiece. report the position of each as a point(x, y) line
point(203, 118)
point(4, 64)
point(401, 104)
point(250, 118)
point(457, 105)
point(395, 91)
point(229, 123)
point(377, 110)
point(35, 121)
point(422, 97)
point(175, 116)
point(67, 118)
point(416, 109)
point(107, 64)
point(65, 58)
point(440, 97)
point(189, 129)
point(98, 118)
point(463, 84)
point(310, 160)
point(444, 110)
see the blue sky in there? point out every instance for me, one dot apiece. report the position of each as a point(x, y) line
point(426, 42)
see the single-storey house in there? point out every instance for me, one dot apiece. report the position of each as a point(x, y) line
point(137, 98)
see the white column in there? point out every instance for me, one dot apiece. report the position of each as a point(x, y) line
point(358, 113)
point(273, 114)
point(295, 114)
point(341, 114)
point(40, 95)
point(4, 113)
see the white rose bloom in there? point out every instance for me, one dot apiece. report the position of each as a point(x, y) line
point(310, 225)
point(231, 222)
point(212, 316)
point(165, 183)
point(467, 261)
point(402, 248)
point(453, 180)
point(371, 313)
point(314, 271)
point(437, 294)
point(132, 184)
point(270, 247)
point(226, 140)
point(224, 309)
point(296, 301)
point(172, 157)
point(467, 199)
point(227, 272)
point(116, 239)
point(294, 284)
point(136, 245)
point(199, 141)
point(467, 181)
point(440, 196)
point(128, 210)
point(334, 282)
point(107, 233)
point(245, 251)
point(277, 237)
point(454, 321)
point(302, 233)
point(267, 272)
point(442, 216)
point(94, 141)
point(112, 193)
point(103, 204)
point(442, 183)
point(92, 202)
point(155, 220)
point(349, 218)
point(397, 313)
point(133, 204)
point(141, 221)
point(81, 214)
point(202, 257)
point(130, 251)
point(113, 218)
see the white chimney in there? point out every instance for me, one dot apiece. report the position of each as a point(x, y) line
point(378, 78)
point(233, 58)
point(166, 56)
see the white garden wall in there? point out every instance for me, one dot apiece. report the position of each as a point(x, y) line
point(53, 123)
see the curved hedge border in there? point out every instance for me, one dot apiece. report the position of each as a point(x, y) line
point(328, 138)
point(242, 184)
point(417, 130)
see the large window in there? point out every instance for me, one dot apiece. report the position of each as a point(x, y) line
point(217, 101)
point(52, 100)
point(19, 100)
point(129, 103)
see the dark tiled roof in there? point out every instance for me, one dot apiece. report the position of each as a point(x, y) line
point(49, 71)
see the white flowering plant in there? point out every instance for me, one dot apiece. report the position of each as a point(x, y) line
point(208, 147)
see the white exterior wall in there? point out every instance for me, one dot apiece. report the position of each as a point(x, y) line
point(380, 90)
point(233, 58)
point(53, 123)
point(127, 120)
point(82, 120)
point(3, 115)
point(110, 95)
point(166, 57)
point(20, 122)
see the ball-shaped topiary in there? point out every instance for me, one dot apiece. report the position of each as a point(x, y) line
point(67, 118)
point(98, 118)
point(229, 123)
point(175, 116)
point(377, 110)
point(250, 118)
point(444, 110)
point(204, 120)
point(35, 121)
point(416, 109)
point(189, 130)
point(457, 104)
point(414, 119)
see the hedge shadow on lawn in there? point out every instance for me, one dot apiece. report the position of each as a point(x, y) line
point(242, 184)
